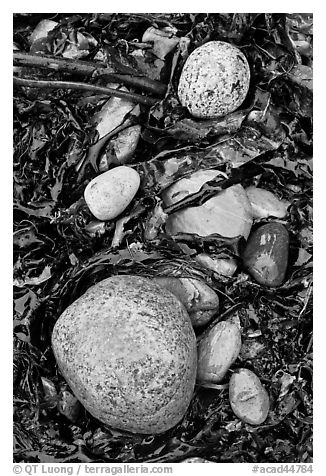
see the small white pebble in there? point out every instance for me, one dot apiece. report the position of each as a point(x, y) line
point(109, 194)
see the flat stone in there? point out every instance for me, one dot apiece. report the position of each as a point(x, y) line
point(113, 113)
point(265, 204)
point(266, 254)
point(228, 213)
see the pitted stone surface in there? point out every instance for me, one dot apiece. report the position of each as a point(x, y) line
point(214, 80)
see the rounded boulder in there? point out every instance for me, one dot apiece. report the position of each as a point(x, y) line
point(128, 352)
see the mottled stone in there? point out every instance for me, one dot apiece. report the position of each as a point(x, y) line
point(266, 254)
point(217, 351)
point(248, 398)
point(214, 80)
point(108, 194)
point(228, 213)
point(128, 352)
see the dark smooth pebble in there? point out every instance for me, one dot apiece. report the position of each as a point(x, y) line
point(266, 254)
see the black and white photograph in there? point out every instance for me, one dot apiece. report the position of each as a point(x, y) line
point(162, 242)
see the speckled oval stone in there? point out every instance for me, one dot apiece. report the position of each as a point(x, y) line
point(248, 398)
point(217, 351)
point(266, 254)
point(214, 80)
point(109, 194)
point(228, 213)
point(128, 352)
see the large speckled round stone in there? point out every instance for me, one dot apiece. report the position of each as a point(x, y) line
point(128, 351)
point(214, 80)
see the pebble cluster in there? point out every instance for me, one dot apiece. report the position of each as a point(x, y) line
point(127, 346)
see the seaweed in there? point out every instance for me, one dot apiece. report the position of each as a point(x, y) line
point(59, 251)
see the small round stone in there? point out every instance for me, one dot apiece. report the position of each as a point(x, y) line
point(109, 194)
point(214, 80)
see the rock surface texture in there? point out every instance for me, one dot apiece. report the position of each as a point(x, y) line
point(228, 213)
point(266, 254)
point(128, 351)
point(214, 80)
